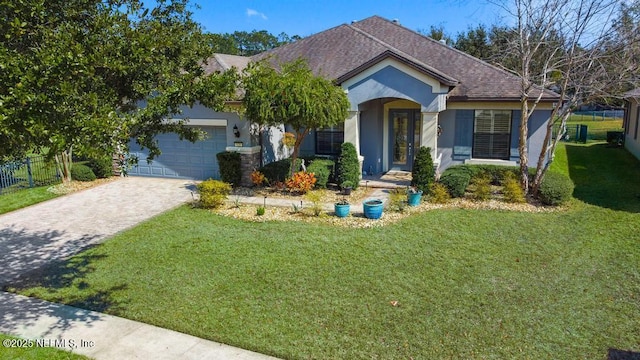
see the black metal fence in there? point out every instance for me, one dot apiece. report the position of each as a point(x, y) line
point(27, 173)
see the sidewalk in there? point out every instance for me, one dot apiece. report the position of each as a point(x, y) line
point(102, 336)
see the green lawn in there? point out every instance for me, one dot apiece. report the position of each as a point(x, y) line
point(24, 198)
point(27, 352)
point(596, 127)
point(468, 283)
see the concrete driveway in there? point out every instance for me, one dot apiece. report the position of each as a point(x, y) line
point(55, 229)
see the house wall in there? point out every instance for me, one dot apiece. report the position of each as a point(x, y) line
point(455, 143)
point(201, 115)
point(632, 130)
point(390, 82)
point(371, 135)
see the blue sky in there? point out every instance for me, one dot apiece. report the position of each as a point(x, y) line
point(300, 17)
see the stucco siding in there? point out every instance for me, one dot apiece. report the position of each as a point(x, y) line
point(392, 83)
point(371, 137)
point(632, 133)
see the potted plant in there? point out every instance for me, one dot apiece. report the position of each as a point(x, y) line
point(414, 196)
point(372, 208)
point(342, 208)
point(346, 186)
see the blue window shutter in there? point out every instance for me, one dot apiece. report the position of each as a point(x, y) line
point(463, 139)
point(515, 135)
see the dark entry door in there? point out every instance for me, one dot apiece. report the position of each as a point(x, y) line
point(404, 137)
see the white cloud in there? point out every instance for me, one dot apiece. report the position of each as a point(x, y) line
point(251, 12)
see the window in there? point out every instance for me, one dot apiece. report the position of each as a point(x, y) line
point(329, 140)
point(492, 134)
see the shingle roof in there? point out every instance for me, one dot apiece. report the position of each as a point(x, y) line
point(223, 62)
point(635, 93)
point(344, 51)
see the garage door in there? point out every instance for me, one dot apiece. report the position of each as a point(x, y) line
point(182, 159)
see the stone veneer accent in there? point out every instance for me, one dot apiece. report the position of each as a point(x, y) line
point(249, 161)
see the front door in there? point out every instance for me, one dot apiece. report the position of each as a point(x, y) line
point(404, 137)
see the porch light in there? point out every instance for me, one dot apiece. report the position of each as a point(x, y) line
point(236, 131)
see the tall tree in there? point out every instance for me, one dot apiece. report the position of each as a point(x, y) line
point(557, 45)
point(437, 33)
point(247, 43)
point(292, 96)
point(88, 75)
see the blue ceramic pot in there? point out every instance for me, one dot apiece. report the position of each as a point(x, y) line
point(342, 210)
point(414, 198)
point(372, 209)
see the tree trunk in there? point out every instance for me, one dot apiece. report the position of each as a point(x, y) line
point(522, 144)
point(300, 135)
point(64, 163)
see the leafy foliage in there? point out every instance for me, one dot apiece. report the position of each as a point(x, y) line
point(92, 74)
point(80, 172)
point(301, 182)
point(278, 171)
point(512, 191)
point(229, 163)
point(247, 43)
point(213, 193)
point(293, 96)
point(258, 178)
point(348, 165)
point(322, 170)
point(439, 193)
point(102, 166)
point(555, 189)
point(423, 173)
point(482, 188)
point(456, 179)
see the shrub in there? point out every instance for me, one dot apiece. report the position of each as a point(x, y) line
point(482, 189)
point(511, 190)
point(258, 178)
point(438, 193)
point(316, 206)
point(260, 210)
point(398, 200)
point(555, 189)
point(456, 179)
point(322, 170)
point(229, 163)
point(301, 182)
point(278, 171)
point(348, 165)
point(213, 193)
point(423, 173)
point(81, 172)
point(102, 167)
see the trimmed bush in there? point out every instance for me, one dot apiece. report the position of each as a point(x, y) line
point(81, 172)
point(482, 188)
point(348, 165)
point(511, 190)
point(278, 171)
point(229, 163)
point(321, 168)
point(555, 189)
point(213, 193)
point(102, 167)
point(439, 193)
point(456, 179)
point(423, 173)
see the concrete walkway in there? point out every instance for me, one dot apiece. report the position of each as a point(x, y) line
point(101, 336)
point(55, 229)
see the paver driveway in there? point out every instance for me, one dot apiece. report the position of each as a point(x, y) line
point(57, 228)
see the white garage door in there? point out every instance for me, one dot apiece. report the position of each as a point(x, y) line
point(182, 159)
